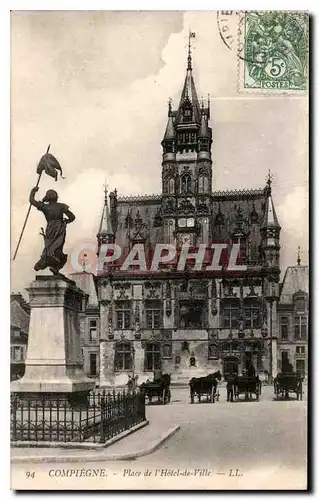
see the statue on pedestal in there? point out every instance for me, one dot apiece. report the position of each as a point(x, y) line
point(58, 216)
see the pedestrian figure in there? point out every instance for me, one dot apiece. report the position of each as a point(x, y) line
point(130, 384)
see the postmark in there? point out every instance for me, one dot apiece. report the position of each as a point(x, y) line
point(275, 51)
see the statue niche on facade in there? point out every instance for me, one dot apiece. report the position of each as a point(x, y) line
point(57, 216)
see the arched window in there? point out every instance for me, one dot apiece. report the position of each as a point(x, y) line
point(123, 357)
point(200, 184)
point(152, 359)
point(171, 186)
point(186, 181)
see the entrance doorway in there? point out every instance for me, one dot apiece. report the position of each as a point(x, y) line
point(301, 367)
point(230, 365)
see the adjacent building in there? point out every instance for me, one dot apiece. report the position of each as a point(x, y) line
point(293, 318)
point(19, 327)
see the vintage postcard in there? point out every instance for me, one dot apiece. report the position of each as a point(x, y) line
point(159, 228)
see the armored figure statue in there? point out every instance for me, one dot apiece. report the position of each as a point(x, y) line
point(57, 216)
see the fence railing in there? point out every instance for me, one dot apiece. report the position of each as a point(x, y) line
point(103, 416)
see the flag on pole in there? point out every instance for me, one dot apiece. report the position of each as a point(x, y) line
point(192, 34)
point(50, 165)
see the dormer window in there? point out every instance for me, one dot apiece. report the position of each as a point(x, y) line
point(187, 114)
point(300, 304)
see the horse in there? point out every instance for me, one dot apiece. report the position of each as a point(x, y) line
point(205, 385)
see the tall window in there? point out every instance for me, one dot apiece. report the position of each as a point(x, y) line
point(186, 183)
point(123, 358)
point(171, 186)
point(187, 114)
point(300, 304)
point(167, 351)
point(230, 313)
point(300, 327)
point(153, 314)
point(202, 184)
point(93, 370)
point(123, 314)
point(93, 330)
point(284, 325)
point(152, 356)
point(212, 351)
point(252, 313)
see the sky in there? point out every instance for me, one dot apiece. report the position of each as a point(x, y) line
point(95, 85)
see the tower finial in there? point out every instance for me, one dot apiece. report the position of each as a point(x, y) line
point(298, 257)
point(189, 57)
point(269, 178)
point(84, 263)
point(169, 106)
point(105, 191)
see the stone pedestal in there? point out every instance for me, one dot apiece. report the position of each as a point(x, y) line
point(53, 365)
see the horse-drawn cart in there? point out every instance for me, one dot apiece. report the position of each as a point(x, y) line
point(205, 386)
point(159, 388)
point(247, 385)
point(286, 383)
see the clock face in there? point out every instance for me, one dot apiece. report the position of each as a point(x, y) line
point(186, 239)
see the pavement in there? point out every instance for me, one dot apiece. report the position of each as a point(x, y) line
point(248, 445)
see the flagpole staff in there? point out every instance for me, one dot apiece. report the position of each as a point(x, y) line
point(28, 213)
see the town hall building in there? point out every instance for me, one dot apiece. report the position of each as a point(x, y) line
point(192, 322)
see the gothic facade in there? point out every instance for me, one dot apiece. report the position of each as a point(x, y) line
point(188, 323)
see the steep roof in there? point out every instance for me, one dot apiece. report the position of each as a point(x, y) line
point(169, 132)
point(19, 317)
point(296, 279)
point(105, 228)
point(270, 218)
point(85, 281)
point(189, 95)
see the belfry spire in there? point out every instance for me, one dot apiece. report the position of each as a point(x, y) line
point(189, 106)
point(105, 229)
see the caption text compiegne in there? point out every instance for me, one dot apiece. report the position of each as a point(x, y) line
point(130, 473)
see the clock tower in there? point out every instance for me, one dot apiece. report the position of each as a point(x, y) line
point(187, 168)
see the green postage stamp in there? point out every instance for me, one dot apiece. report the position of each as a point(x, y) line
point(274, 51)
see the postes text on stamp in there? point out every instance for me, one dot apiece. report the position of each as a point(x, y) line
point(275, 51)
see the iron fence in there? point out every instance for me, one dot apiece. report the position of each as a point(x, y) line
point(102, 416)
